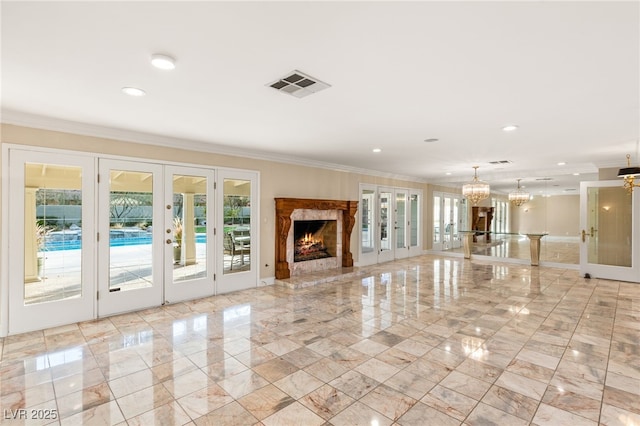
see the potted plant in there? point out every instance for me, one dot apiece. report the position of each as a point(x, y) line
point(177, 239)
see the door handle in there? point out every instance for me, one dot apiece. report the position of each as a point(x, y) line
point(592, 233)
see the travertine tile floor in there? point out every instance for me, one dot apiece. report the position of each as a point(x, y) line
point(423, 341)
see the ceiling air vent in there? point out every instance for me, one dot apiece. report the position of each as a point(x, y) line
point(501, 162)
point(298, 84)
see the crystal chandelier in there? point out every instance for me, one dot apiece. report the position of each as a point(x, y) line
point(519, 197)
point(476, 190)
point(629, 174)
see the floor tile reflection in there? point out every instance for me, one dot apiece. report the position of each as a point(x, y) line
point(426, 340)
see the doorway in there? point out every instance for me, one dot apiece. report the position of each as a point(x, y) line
point(390, 223)
point(610, 231)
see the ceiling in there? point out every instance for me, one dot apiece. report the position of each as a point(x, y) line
point(567, 73)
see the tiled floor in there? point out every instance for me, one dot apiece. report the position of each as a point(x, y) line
point(423, 341)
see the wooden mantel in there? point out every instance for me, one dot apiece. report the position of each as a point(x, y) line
point(286, 206)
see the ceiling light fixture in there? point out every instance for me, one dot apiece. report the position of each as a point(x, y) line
point(519, 196)
point(133, 91)
point(163, 62)
point(509, 128)
point(629, 174)
point(376, 150)
point(476, 190)
point(562, 163)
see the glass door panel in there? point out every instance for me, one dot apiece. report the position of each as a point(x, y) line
point(131, 246)
point(189, 259)
point(400, 222)
point(53, 227)
point(238, 205)
point(609, 222)
point(385, 208)
point(415, 246)
point(368, 224)
point(437, 219)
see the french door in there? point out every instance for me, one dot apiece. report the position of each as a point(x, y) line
point(52, 237)
point(610, 231)
point(189, 233)
point(131, 238)
point(238, 230)
point(389, 223)
point(449, 217)
point(92, 237)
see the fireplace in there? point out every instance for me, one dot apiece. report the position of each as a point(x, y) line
point(314, 239)
point(329, 221)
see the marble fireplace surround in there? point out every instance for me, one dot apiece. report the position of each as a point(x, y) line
point(285, 208)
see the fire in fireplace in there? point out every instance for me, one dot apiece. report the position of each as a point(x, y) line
point(314, 239)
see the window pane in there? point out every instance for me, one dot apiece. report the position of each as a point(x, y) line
point(189, 227)
point(385, 241)
point(52, 232)
point(237, 225)
point(368, 225)
point(414, 219)
point(401, 219)
point(130, 224)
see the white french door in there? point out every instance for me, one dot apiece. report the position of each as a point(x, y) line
point(610, 231)
point(52, 240)
point(92, 237)
point(237, 236)
point(131, 236)
point(449, 213)
point(390, 223)
point(189, 224)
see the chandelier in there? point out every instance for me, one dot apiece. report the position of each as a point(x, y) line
point(629, 174)
point(476, 190)
point(519, 197)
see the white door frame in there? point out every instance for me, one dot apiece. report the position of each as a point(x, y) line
point(228, 282)
point(112, 301)
point(621, 273)
point(386, 218)
point(23, 318)
point(201, 286)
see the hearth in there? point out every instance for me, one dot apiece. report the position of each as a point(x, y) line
point(314, 239)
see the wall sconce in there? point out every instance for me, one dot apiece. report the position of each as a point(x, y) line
point(606, 208)
point(629, 174)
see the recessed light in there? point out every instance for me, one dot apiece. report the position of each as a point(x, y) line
point(448, 173)
point(510, 128)
point(377, 150)
point(133, 91)
point(562, 163)
point(576, 174)
point(163, 62)
point(431, 140)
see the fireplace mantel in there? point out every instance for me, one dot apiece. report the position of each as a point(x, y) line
point(284, 209)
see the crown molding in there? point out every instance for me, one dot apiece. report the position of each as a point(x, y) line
point(23, 119)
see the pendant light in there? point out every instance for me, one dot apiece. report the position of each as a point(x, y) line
point(519, 197)
point(476, 190)
point(629, 173)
